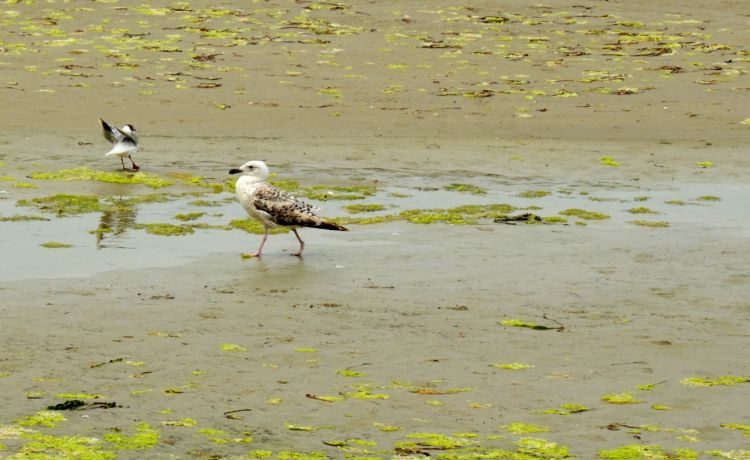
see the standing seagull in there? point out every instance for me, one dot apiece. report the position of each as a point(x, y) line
point(124, 142)
point(274, 207)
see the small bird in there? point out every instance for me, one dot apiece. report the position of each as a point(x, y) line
point(273, 207)
point(124, 142)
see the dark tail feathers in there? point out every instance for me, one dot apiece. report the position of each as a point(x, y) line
point(327, 225)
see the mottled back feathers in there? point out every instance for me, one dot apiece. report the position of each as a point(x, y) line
point(285, 209)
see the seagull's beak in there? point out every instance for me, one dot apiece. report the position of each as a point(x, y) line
point(234, 171)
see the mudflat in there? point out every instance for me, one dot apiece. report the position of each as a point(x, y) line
point(609, 322)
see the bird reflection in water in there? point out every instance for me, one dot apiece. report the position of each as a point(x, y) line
point(114, 222)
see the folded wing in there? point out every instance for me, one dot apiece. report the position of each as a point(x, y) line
point(285, 209)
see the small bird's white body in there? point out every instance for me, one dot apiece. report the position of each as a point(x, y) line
point(124, 142)
point(121, 150)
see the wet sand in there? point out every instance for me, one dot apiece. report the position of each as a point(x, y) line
point(416, 309)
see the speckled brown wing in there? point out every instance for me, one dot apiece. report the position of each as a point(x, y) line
point(288, 210)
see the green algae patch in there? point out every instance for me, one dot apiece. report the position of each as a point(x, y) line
point(205, 203)
point(650, 223)
point(708, 198)
point(642, 210)
point(724, 380)
point(361, 208)
point(731, 455)
point(367, 220)
point(554, 220)
point(524, 428)
point(56, 245)
point(22, 218)
point(79, 396)
point(326, 398)
point(419, 442)
point(465, 188)
point(567, 409)
point(737, 426)
point(86, 174)
point(292, 455)
point(533, 194)
point(609, 161)
point(286, 185)
point(339, 192)
point(541, 448)
point(621, 398)
point(512, 366)
point(526, 324)
point(255, 227)
point(419, 216)
point(43, 447)
point(351, 373)
point(189, 216)
point(647, 452)
point(166, 229)
point(42, 418)
point(646, 386)
point(197, 181)
point(145, 437)
point(460, 215)
point(429, 390)
point(386, 428)
point(185, 422)
point(65, 205)
point(583, 214)
point(217, 436)
point(306, 350)
point(232, 348)
point(24, 185)
point(296, 427)
point(660, 407)
point(366, 394)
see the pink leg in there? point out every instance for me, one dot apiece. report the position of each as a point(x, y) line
point(260, 248)
point(301, 244)
point(135, 166)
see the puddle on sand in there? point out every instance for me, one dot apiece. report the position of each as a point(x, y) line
point(127, 247)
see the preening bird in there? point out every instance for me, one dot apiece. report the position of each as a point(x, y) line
point(273, 207)
point(124, 142)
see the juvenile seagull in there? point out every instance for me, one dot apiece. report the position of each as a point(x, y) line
point(274, 207)
point(124, 142)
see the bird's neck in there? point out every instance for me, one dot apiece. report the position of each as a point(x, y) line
point(249, 180)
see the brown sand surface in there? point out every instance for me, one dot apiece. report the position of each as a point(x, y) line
point(407, 98)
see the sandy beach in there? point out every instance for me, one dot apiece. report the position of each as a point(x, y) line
point(613, 325)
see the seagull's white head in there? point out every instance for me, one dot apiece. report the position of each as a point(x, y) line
point(256, 169)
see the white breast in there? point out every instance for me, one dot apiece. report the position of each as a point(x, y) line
point(245, 189)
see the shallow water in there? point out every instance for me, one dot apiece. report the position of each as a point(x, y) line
point(131, 248)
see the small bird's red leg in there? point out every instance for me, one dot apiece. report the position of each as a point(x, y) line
point(123, 164)
point(135, 166)
point(301, 244)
